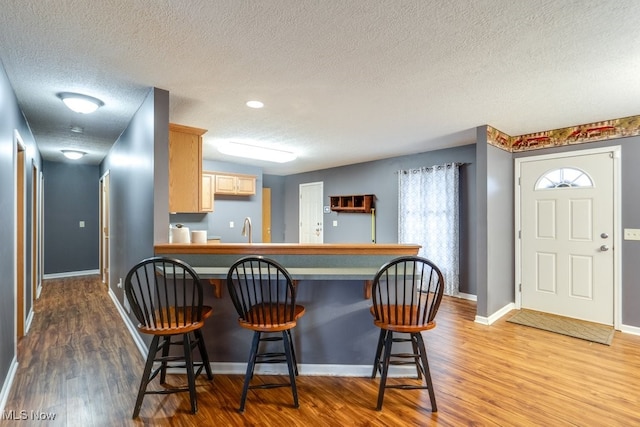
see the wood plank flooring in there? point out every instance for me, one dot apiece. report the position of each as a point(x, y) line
point(79, 363)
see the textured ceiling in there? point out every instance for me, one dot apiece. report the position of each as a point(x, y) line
point(342, 81)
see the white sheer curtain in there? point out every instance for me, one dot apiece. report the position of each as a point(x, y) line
point(429, 216)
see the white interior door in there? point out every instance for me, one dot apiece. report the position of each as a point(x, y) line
point(311, 216)
point(567, 235)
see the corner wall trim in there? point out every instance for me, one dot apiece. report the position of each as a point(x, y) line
point(8, 382)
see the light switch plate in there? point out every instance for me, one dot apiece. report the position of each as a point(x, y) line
point(632, 234)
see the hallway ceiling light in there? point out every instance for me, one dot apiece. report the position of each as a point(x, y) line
point(255, 104)
point(73, 154)
point(83, 104)
point(250, 151)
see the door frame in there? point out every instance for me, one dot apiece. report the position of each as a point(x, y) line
point(617, 233)
point(302, 207)
point(20, 235)
point(105, 241)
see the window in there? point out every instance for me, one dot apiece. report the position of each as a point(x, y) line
point(564, 178)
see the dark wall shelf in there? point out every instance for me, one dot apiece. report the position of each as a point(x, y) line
point(360, 203)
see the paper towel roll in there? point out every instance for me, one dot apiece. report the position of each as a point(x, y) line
point(199, 236)
point(180, 235)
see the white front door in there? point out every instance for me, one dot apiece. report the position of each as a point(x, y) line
point(310, 213)
point(567, 235)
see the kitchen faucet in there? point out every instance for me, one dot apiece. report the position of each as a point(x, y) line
point(247, 221)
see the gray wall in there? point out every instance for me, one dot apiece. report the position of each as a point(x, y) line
point(228, 208)
point(71, 195)
point(379, 178)
point(500, 230)
point(139, 187)
point(11, 119)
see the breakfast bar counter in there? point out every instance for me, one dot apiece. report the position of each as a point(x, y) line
point(336, 336)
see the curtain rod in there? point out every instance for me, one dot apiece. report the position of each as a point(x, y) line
point(413, 170)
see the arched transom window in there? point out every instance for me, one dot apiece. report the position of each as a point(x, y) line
point(564, 178)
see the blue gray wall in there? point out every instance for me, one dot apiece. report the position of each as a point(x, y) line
point(379, 178)
point(228, 208)
point(71, 195)
point(138, 170)
point(11, 120)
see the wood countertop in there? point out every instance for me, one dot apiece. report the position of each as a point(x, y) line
point(289, 248)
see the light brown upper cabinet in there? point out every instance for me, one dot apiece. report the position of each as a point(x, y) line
point(235, 184)
point(185, 168)
point(208, 182)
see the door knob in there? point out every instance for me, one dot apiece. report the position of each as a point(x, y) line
point(604, 248)
point(604, 235)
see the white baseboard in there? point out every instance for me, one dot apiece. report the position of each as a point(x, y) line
point(633, 330)
point(142, 347)
point(237, 368)
point(8, 382)
point(71, 274)
point(27, 322)
point(469, 297)
point(495, 316)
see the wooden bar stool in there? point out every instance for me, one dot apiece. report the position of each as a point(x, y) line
point(166, 296)
point(406, 295)
point(264, 296)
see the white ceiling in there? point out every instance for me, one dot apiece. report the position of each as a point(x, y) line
point(342, 81)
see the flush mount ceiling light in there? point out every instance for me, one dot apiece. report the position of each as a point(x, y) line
point(250, 151)
point(80, 103)
point(73, 154)
point(255, 104)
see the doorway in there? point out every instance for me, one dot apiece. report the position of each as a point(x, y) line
point(266, 215)
point(104, 228)
point(20, 240)
point(567, 216)
point(310, 213)
point(36, 236)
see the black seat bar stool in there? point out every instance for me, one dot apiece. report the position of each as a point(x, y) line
point(406, 295)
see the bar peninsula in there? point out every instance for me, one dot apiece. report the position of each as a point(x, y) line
point(336, 336)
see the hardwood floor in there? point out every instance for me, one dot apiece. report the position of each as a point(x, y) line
point(79, 362)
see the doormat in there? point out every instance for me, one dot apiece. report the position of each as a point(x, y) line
point(594, 332)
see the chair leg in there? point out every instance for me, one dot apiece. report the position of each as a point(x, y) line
point(153, 349)
point(191, 379)
point(250, 366)
point(203, 353)
point(288, 347)
point(416, 353)
point(376, 362)
point(293, 352)
point(166, 345)
point(427, 372)
point(385, 367)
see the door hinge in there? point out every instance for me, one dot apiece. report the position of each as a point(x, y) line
point(519, 287)
point(519, 234)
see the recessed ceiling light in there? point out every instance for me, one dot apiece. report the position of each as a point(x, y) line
point(255, 104)
point(250, 151)
point(73, 154)
point(80, 103)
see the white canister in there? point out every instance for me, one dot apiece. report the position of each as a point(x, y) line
point(180, 235)
point(199, 236)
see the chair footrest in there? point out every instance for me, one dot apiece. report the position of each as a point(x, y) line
point(272, 385)
point(407, 387)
